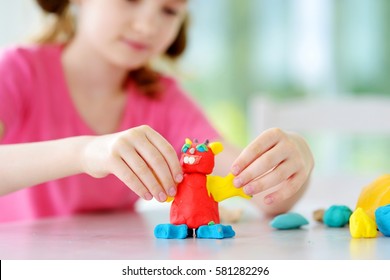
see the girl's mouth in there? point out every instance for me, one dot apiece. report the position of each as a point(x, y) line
point(138, 46)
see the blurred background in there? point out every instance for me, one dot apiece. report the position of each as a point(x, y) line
point(281, 50)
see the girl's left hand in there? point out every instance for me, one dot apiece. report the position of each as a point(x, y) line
point(274, 160)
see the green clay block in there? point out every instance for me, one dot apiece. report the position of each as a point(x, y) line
point(337, 216)
point(289, 221)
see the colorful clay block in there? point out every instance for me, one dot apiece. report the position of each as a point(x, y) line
point(288, 221)
point(361, 225)
point(337, 216)
point(375, 195)
point(382, 218)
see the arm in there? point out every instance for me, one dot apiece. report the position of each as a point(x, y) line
point(275, 168)
point(24, 165)
point(140, 157)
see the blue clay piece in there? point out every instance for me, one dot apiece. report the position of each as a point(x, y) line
point(169, 231)
point(289, 221)
point(217, 231)
point(337, 216)
point(382, 218)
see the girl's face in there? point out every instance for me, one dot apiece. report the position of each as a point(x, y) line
point(128, 33)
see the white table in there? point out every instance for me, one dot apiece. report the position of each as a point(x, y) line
point(130, 236)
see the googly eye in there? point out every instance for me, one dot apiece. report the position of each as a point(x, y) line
point(201, 148)
point(185, 148)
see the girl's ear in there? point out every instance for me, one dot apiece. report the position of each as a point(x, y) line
point(216, 147)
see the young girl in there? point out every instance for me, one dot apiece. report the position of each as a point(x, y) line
point(87, 125)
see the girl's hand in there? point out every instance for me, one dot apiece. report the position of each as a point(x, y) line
point(140, 157)
point(274, 160)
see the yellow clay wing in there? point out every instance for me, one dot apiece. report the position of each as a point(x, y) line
point(222, 188)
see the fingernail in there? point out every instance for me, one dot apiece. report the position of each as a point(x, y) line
point(237, 182)
point(172, 191)
point(162, 197)
point(179, 178)
point(148, 196)
point(248, 189)
point(235, 170)
point(268, 200)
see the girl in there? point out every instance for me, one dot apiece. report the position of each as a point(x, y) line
point(87, 122)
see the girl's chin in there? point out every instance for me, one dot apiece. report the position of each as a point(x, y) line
point(128, 65)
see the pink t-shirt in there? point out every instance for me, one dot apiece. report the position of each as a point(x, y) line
point(35, 105)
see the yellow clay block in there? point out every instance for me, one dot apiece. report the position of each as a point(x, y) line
point(222, 188)
point(362, 225)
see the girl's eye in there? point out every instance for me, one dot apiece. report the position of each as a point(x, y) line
point(170, 11)
point(185, 148)
point(201, 148)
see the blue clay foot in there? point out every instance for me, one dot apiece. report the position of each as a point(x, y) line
point(169, 231)
point(217, 231)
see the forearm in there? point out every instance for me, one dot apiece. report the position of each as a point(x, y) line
point(24, 165)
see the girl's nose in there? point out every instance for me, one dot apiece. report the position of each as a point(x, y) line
point(145, 23)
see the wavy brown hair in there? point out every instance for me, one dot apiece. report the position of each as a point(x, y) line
point(62, 30)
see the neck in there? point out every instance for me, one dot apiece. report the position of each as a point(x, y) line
point(87, 71)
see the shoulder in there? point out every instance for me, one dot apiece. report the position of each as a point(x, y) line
point(15, 65)
point(24, 57)
point(31, 64)
point(19, 54)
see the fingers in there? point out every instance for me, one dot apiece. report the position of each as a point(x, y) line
point(150, 158)
point(260, 166)
point(258, 147)
point(272, 160)
point(140, 167)
point(121, 170)
point(165, 149)
point(286, 189)
point(274, 177)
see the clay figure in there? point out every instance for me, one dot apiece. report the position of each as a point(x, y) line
point(194, 210)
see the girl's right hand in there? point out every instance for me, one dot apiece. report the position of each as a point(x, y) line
point(140, 157)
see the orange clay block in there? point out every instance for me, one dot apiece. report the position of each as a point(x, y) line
point(375, 195)
point(361, 225)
